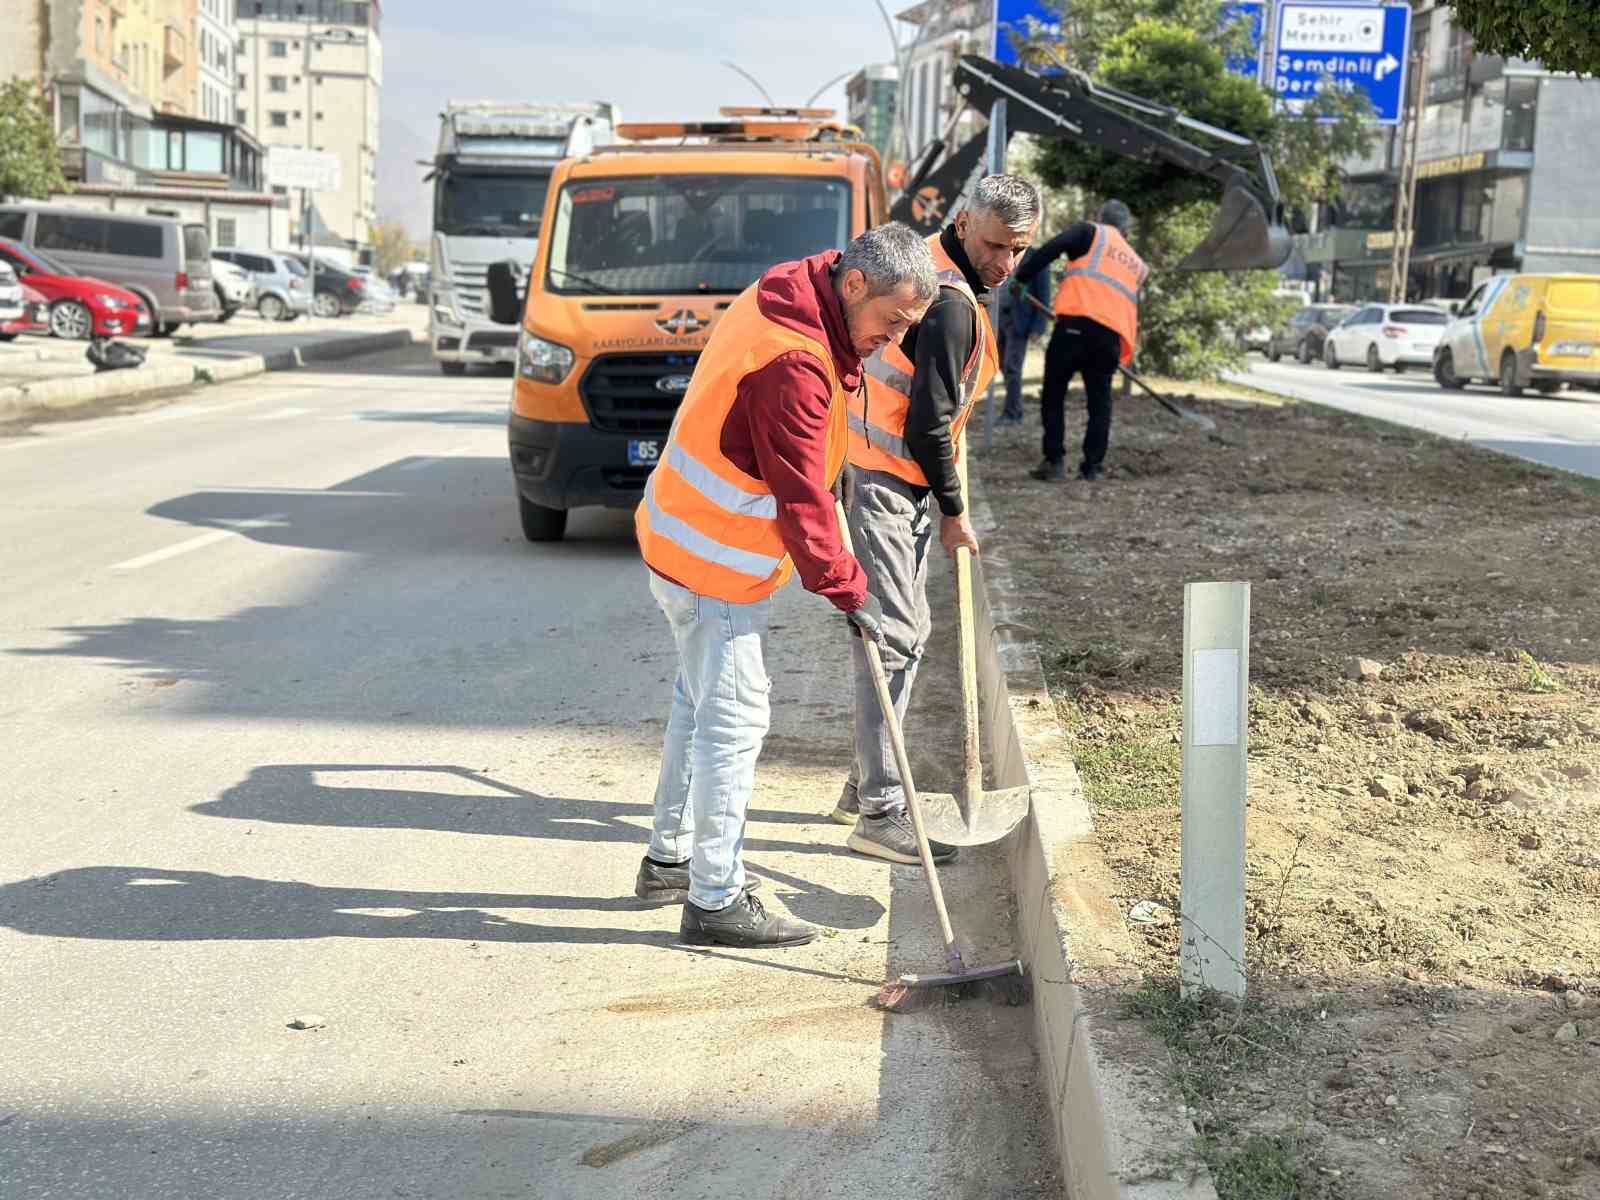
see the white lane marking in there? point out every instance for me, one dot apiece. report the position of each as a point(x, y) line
point(428, 460)
point(280, 414)
point(196, 542)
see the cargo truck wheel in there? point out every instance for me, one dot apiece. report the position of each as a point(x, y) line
point(452, 368)
point(541, 524)
point(1508, 375)
point(1444, 371)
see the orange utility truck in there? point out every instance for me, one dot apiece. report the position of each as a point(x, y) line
point(643, 247)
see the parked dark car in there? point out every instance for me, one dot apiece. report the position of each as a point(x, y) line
point(1302, 335)
point(338, 292)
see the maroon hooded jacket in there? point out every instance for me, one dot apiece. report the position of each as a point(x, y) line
point(777, 429)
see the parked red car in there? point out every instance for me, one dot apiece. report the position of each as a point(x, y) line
point(81, 306)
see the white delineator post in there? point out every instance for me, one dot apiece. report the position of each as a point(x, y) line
point(1216, 713)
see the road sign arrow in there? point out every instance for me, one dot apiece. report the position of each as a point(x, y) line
point(1385, 65)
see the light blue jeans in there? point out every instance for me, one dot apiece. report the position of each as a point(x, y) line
point(720, 713)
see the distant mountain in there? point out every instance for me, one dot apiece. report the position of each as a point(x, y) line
point(402, 196)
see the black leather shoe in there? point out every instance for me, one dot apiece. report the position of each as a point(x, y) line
point(1089, 474)
point(657, 884)
point(743, 924)
point(891, 836)
point(1049, 472)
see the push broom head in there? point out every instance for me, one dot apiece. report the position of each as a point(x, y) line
point(1001, 984)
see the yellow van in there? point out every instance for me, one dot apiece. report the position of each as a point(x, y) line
point(1524, 330)
point(642, 249)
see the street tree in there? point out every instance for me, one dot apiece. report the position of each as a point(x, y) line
point(1562, 34)
point(30, 159)
point(392, 247)
point(1173, 52)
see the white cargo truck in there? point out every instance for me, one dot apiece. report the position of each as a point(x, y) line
point(490, 174)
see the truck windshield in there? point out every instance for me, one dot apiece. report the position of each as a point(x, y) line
point(489, 204)
point(644, 235)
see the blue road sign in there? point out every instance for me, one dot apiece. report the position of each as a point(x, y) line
point(1018, 21)
point(1254, 14)
point(1346, 47)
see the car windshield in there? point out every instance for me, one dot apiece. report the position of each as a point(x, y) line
point(1419, 316)
point(41, 261)
point(645, 235)
point(490, 203)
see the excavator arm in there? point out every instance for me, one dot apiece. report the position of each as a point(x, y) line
point(1248, 232)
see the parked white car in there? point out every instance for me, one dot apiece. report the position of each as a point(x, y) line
point(234, 286)
point(1386, 335)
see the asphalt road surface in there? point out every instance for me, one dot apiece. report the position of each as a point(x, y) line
point(295, 724)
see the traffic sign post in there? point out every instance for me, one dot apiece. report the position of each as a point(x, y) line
point(1342, 47)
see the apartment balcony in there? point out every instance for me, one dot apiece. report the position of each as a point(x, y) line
point(174, 49)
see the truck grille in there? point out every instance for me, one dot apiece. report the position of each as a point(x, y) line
point(470, 282)
point(620, 391)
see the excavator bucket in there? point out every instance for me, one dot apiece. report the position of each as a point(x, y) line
point(1243, 237)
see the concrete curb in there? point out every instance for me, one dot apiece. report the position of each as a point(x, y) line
point(1118, 1134)
point(20, 399)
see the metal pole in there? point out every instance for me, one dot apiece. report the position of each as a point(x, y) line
point(1406, 193)
point(1216, 714)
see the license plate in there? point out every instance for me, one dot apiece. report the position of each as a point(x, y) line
point(643, 453)
point(1573, 349)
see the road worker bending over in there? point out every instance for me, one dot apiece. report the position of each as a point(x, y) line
point(906, 432)
point(740, 499)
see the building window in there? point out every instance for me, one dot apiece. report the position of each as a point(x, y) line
point(319, 116)
point(278, 120)
point(242, 84)
point(277, 83)
point(241, 117)
point(99, 35)
point(227, 232)
point(277, 50)
point(1522, 100)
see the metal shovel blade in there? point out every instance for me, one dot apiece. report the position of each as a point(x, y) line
point(960, 821)
point(1242, 238)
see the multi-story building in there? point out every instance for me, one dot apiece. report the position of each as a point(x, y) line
point(870, 93)
point(215, 32)
point(944, 31)
point(308, 75)
point(1503, 178)
point(124, 85)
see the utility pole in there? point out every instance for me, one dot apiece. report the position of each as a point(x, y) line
point(1405, 199)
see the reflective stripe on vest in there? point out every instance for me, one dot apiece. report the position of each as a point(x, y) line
point(703, 522)
point(1105, 292)
point(878, 415)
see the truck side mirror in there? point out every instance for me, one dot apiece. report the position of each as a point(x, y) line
point(505, 299)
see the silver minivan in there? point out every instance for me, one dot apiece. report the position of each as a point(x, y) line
point(282, 290)
point(167, 264)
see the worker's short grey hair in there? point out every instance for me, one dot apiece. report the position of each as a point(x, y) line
point(1010, 197)
point(889, 256)
point(1115, 213)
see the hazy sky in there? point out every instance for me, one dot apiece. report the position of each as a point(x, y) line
point(655, 60)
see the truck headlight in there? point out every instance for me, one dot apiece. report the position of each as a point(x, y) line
point(545, 361)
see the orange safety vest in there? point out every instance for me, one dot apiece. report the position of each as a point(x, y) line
point(703, 522)
point(1104, 285)
point(878, 414)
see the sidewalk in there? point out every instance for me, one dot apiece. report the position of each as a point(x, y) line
point(38, 374)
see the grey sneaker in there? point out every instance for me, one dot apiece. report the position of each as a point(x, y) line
point(1049, 472)
point(849, 807)
point(890, 836)
point(669, 885)
point(743, 924)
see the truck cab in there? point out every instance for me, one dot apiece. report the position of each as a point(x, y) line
point(644, 247)
point(490, 175)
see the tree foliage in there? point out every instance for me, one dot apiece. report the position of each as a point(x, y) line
point(1173, 52)
point(392, 247)
point(1562, 34)
point(30, 159)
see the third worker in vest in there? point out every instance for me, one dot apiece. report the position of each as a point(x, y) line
point(906, 432)
point(739, 502)
point(1097, 327)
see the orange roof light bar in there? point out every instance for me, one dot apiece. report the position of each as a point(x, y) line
point(736, 110)
point(785, 131)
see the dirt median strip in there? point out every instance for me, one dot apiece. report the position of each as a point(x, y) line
point(1423, 947)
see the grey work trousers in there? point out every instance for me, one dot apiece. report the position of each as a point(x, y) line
point(892, 532)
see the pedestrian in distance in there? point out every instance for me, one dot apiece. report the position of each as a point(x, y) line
point(740, 500)
point(1097, 328)
point(1021, 320)
point(907, 429)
